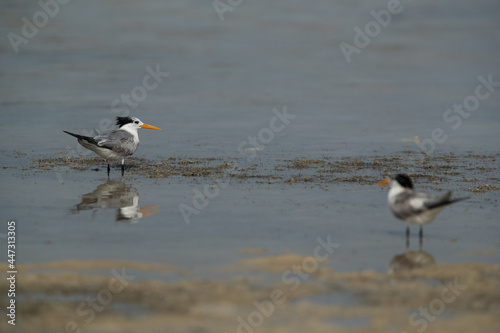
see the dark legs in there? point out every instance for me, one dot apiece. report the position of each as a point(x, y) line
point(420, 236)
point(123, 167)
point(407, 236)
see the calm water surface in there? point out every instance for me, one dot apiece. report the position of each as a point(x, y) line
point(225, 78)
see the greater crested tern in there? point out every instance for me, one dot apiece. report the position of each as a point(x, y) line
point(115, 144)
point(412, 206)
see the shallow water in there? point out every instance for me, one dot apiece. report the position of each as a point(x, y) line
point(225, 79)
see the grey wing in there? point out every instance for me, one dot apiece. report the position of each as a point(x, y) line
point(410, 203)
point(119, 141)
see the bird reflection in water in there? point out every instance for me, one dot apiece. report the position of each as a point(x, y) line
point(411, 260)
point(115, 195)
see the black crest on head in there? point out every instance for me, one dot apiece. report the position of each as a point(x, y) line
point(404, 180)
point(120, 121)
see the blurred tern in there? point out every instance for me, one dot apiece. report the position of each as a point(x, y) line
point(115, 144)
point(412, 206)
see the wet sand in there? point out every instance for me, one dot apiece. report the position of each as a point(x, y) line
point(457, 298)
point(363, 169)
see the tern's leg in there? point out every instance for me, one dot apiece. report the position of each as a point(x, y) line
point(420, 235)
point(109, 169)
point(123, 166)
point(407, 236)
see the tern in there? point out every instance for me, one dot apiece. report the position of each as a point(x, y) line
point(115, 144)
point(412, 206)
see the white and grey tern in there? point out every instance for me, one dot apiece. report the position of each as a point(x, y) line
point(412, 206)
point(115, 144)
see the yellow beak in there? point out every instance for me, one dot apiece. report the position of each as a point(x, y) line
point(384, 182)
point(149, 127)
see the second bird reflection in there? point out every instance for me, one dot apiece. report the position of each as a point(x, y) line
point(116, 195)
point(411, 260)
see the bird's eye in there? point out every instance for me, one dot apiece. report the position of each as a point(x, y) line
point(136, 122)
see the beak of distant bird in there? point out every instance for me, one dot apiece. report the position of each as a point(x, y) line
point(148, 210)
point(384, 182)
point(149, 127)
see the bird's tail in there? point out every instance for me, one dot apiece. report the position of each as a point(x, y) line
point(72, 134)
point(86, 138)
point(458, 199)
point(444, 201)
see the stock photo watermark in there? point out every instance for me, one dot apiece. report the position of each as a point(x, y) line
point(363, 37)
point(247, 148)
point(86, 310)
point(150, 81)
point(11, 272)
point(222, 7)
point(292, 280)
point(426, 315)
point(454, 116)
point(48, 10)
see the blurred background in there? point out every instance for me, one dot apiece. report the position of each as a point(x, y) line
point(227, 76)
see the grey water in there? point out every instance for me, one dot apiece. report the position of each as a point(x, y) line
point(225, 78)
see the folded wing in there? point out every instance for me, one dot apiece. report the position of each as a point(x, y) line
point(120, 142)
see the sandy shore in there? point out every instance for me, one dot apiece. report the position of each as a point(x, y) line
point(365, 170)
point(262, 293)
